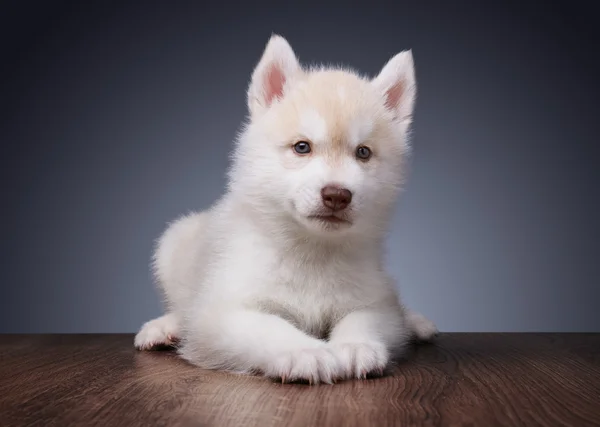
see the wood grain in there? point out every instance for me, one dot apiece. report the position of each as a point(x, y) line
point(461, 380)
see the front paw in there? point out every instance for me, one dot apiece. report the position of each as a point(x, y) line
point(314, 365)
point(361, 358)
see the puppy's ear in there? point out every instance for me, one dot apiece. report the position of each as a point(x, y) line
point(275, 69)
point(397, 84)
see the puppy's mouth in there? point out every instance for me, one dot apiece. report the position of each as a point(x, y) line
point(330, 219)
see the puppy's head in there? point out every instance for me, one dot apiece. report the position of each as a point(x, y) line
point(324, 148)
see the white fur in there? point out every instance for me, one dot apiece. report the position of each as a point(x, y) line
point(359, 130)
point(163, 330)
point(255, 285)
point(312, 125)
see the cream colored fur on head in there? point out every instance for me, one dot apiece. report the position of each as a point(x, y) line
point(284, 275)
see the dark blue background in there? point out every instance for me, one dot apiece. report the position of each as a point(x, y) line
point(119, 116)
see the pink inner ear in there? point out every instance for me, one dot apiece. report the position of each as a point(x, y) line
point(393, 95)
point(274, 81)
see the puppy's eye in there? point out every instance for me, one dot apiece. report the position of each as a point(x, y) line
point(363, 153)
point(302, 147)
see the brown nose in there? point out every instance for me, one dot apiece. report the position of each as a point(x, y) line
point(336, 198)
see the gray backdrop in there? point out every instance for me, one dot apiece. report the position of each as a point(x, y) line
point(119, 117)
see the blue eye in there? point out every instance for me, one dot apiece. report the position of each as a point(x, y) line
point(302, 147)
point(363, 153)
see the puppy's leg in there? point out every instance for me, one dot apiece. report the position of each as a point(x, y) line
point(250, 341)
point(365, 339)
point(421, 327)
point(177, 254)
point(172, 263)
point(162, 331)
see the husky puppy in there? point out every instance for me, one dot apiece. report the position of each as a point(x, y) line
point(284, 275)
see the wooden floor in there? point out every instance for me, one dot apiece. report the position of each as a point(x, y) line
point(462, 380)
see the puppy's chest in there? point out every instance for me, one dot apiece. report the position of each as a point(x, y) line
point(313, 297)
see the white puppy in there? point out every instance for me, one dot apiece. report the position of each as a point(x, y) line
point(284, 275)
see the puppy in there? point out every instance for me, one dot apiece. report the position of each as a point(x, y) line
point(284, 275)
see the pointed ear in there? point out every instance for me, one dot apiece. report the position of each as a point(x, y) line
point(276, 67)
point(396, 81)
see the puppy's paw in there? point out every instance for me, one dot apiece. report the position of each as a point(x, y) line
point(315, 365)
point(422, 328)
point(359, 359)
point(158, 332)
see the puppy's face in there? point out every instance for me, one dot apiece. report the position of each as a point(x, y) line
point(325, 147)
